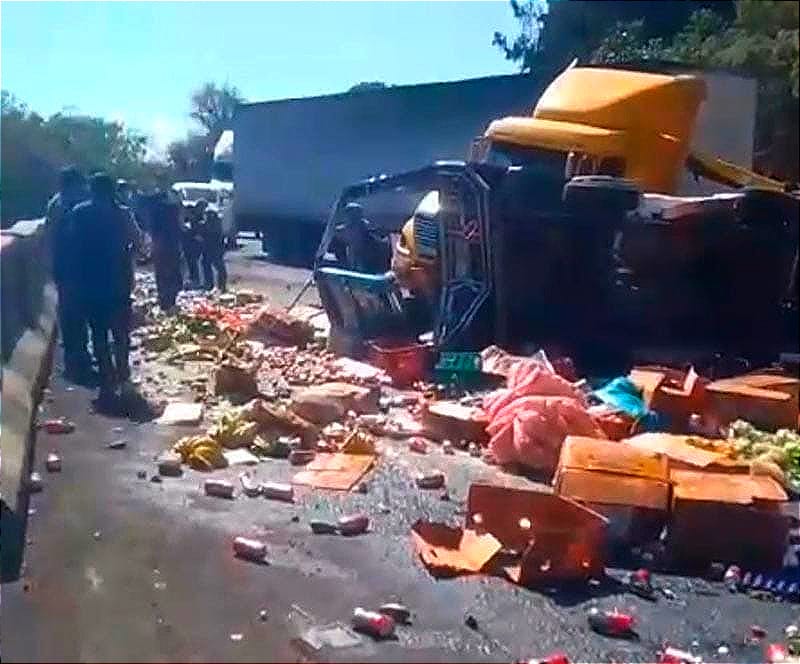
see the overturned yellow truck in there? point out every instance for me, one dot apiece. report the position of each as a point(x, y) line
point(563, 228)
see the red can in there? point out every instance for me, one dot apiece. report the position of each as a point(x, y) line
point(377, 625)
point(58, 426)
point(354, 524)
point(776, 652)
point(249, 549)
point(418, 445)
point(611, 623)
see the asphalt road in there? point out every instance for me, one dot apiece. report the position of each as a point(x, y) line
point(119, 568)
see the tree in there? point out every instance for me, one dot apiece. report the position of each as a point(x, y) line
point(212, 107)
point(368, 86)
point(525, 47)
point(574, 28)
point(761, 41)
point(34, 149)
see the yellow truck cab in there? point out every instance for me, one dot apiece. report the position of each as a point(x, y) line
point(609, 122)
point(597, 121)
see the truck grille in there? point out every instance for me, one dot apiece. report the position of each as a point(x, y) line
point(426, 237)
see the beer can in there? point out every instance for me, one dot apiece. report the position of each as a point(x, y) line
point(169, 464)
point(353, 524)
point(320, 527)
point(35, 482)
point(249, 549)
point(278, 491)
point(377, 625)
point(432, 480)
point(301, 457)
point(53, 463)
point(397, 612)
point(418, 445)
point(249, 486)
point(219, 488)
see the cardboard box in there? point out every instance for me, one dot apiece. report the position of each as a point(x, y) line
point(627, 485)
point(682, 455)
point(766, 400)
point(558, 539)
point(449, 420)
point(727, 518)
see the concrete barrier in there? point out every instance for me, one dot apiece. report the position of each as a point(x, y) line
point(28, 311)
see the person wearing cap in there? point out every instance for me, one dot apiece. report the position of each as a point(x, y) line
point(103, 238)
point(212, 241)
point(72, 323)
point(357, 245)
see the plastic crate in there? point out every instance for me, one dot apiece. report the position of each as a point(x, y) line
point(404, 363)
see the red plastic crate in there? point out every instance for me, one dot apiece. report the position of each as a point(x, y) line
point(405, 364)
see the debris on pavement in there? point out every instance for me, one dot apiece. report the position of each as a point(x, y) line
point(320, 527)
point(431, 480)
point(277, 491)
point(354, 524)
point(250, 487)
point(329, 402)
point(169, 464)
point(202, 453)
point(338, 471)
point(240, 457)
point(301, 457)
point(249, 549)
point(448, 551)
point(35, 483)
point(555, 538)
point(219, 488)
point(611, 623)
point(531, 417)
point(376, 625)
point(59, 426)
point(53, 463)
point(178, 413)
point(449, 420)
point(397, 612)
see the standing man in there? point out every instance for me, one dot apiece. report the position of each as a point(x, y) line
point(213, 251)
point(74, 329)
point(191, 240)
point(103, 236)
point(165, 229)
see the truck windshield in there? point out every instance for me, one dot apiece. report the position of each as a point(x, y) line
point(194, 194)
point(502, 154)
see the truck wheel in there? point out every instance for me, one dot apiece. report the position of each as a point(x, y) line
point(600, 194)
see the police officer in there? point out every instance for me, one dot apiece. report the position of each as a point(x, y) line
point(103, 236)
point(74, 329)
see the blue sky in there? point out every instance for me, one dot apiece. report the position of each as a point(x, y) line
point(138, 62)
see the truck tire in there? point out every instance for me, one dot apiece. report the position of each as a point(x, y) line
point(600, 194)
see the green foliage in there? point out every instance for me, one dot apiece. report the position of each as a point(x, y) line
point(212, 107)
point(762, 41)
point(625, 42)
point(525, 46)
point(34, 149)
point(368, 86)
